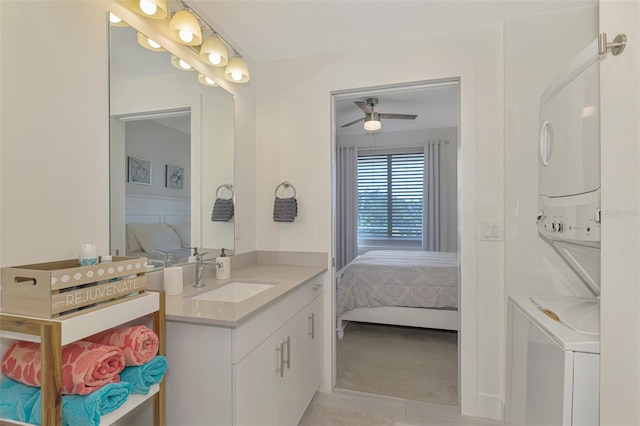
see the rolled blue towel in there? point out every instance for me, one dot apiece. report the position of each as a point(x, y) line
point(17, 400)
point(143, 376)
point(23, 403)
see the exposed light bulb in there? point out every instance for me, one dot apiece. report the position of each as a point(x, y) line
point(236, 76)
point(186, 36)
point(114, 19)
point(184, 65)
point(148, 7)
point(214, 58)
point(153, 44)
point(209, 81)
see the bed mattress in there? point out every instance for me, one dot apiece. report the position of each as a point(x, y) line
point(417, 279)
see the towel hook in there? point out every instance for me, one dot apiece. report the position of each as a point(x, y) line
point(286, 185)
point(228, 186)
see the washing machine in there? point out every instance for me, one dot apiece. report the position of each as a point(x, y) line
point(553, 344)
point(553, 361)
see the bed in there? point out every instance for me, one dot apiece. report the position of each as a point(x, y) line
point(411, 288)
point(149, 239)
point(158, 223)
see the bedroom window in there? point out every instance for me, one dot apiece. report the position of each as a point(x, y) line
point(390, 200)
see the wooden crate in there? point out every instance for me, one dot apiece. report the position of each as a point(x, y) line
point(53, 289)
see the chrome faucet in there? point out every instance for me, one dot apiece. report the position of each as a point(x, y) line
point(200, 264)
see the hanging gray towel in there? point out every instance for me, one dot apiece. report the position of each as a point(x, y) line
point(222, 210)
point(285, 209)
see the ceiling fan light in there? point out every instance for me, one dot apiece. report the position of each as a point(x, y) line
point(206, 80)
point(372, 122)
point(184, 28)
point(154, 9)
point(180, 64)
point(214, 52)
point(147, 43)
point(237, 70)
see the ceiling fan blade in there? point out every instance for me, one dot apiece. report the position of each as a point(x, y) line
point(398, 116)
point(363, 106)
point(353, 122)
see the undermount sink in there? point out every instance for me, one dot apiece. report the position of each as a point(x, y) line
point(236, 291)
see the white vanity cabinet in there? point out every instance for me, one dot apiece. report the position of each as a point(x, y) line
point(264, 371)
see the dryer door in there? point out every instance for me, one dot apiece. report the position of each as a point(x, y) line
point(569, 151)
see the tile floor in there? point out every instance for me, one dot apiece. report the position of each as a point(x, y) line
point(405, 412)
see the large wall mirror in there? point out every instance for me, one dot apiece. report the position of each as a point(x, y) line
point(171, 148)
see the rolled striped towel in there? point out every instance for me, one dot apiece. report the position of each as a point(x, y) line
point(285, 209)
point(138, 343)
point(86, 366)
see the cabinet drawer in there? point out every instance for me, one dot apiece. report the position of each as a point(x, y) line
point(314, 287)
point(248, 335)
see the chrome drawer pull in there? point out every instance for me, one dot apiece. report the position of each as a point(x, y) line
point(280, 349)
point(313, 326)
point(288, 361)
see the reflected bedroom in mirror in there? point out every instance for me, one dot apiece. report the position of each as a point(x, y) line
point(171, 154)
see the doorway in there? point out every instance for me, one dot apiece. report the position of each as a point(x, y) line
point(161, 142)
point(404, 206)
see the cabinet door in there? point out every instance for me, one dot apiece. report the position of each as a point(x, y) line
point(315, 314)
point(292, 396)
point(256, 385)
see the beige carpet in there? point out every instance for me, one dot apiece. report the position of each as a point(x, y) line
point(318, 415)
point(406, 362)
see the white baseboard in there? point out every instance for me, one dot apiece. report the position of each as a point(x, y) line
point(490, 407)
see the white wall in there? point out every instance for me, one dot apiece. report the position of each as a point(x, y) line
point(162, 145)
point(55, 187)
point(620, 300)
point(293, 109)
point(536, 48)
point(54, 168)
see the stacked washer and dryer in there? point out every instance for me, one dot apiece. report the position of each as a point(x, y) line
point(554, 341)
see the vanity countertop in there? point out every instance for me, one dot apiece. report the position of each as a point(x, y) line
point(184, 308)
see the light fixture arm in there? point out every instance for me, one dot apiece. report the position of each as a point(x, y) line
point(206, 25)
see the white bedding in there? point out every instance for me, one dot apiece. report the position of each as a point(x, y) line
point(417, 279)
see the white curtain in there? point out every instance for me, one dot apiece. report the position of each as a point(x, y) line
point(346, 205)
point(435, 211)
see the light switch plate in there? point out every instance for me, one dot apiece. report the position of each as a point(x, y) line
point(490, 232)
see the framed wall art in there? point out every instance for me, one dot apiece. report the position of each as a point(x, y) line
point(139, 171)
point(175, 177)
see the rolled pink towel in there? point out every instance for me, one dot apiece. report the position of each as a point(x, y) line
point(86, 366)
point(138, 343)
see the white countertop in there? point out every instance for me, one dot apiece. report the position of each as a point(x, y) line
point(183, 308)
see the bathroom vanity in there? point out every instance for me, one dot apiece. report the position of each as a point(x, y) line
point(244, 355)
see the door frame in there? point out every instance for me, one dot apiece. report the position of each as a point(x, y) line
point(467, 245)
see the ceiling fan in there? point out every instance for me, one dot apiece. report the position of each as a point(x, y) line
point(372, 119)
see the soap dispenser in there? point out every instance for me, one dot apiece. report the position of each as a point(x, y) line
point(223, 267)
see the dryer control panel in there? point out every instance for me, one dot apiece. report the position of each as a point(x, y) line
point(576, 223)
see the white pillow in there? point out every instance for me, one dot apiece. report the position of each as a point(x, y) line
point(184, 232)
point(132, 241)
point(159, 237)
